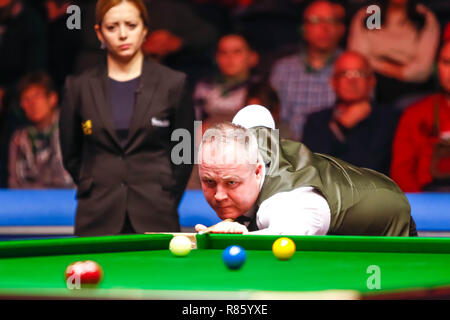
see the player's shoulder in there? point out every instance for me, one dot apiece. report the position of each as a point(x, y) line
point(291, 198)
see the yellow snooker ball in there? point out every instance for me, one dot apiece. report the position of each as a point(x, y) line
point(283, 248)
point(180, 246)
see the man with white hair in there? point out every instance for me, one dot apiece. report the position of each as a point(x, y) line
point(260, 184)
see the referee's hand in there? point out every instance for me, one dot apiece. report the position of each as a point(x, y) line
point(223, 227)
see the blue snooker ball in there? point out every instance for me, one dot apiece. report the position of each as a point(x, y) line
point(234, 257)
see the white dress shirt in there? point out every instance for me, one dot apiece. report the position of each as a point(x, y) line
point(301, 211)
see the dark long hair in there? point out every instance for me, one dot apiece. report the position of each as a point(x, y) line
point(417, 18)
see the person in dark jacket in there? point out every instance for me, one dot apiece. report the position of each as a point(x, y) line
point(115, 130)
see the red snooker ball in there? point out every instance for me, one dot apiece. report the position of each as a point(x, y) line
point(83, 273)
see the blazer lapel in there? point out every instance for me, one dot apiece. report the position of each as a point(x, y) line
point(100, 92)
point(148, 84)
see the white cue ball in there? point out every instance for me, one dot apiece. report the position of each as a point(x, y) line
point(180, 246)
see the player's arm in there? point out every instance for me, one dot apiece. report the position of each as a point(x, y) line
point(70, 131)
point(302, 211)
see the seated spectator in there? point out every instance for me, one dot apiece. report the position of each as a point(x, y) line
point(34, 155)
point(421, 153)
point(302, 79)
point(220, 97)
point(355, 129)
point(22, 50)
point(402, 51)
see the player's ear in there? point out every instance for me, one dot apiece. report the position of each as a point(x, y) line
point(259, 170)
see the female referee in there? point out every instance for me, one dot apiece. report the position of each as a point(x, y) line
point(116, 123)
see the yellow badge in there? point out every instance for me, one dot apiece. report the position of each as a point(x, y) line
point(87, 127)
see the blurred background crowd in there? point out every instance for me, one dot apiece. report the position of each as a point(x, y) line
point(377, 98)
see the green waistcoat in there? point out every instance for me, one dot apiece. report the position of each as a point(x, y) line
point(362, 201)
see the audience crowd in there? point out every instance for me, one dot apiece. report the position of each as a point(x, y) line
point(369, 87)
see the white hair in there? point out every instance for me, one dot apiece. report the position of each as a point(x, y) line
point(221, 137)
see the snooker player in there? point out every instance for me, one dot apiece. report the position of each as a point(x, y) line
point(261, 184)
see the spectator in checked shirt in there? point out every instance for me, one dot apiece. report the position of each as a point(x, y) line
point(34, 153)
point(303, 79)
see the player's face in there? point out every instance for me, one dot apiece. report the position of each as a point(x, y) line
point(322, 28)
point(122, 31)
point(37, 103)
point(234, 57)
point(444, 67)
point(352, 81)
point(231, 189)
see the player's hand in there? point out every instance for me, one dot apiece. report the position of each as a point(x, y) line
point(224, 227)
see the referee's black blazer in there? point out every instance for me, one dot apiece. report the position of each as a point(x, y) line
point(139, 177)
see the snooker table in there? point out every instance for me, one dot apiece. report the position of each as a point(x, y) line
point(142, 267)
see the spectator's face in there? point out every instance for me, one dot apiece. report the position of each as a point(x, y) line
point(322, 28)
point(122, 31)
point(37, 103)
point(352, 80)
point(444, 67)
point(234, 57)
point(229, 187)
